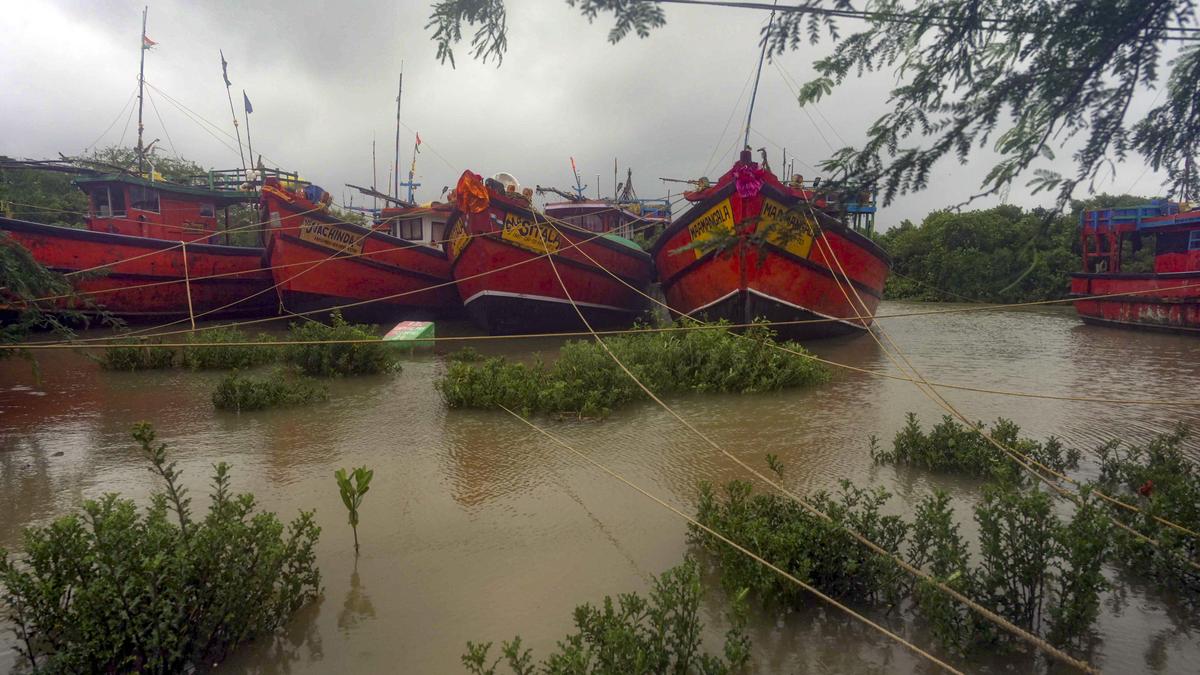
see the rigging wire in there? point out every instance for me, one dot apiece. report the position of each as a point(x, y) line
point(164, 128)
point(128, 102)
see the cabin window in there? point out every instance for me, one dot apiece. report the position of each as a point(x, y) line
point(409, 229)
point(108, 202)
point(438, 233)
point(1194, 241)
point(143, 198)
point(207, 210)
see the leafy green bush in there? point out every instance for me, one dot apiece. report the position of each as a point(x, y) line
point(115, 590)
point(325, 360)
point(660, 634)
point(1033, 569)
point(1163, 483)
point(125, 356)
point(954, 448)
point(585, 380)
point(225, 356)
point(242, 394)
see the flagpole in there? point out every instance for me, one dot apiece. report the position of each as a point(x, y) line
point(232, 112)
point(374, 174)
point(249, 143)
point(396, 163)
point(412, 169)
point(141, 86)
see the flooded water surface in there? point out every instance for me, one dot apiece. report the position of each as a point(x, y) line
point(478, 528)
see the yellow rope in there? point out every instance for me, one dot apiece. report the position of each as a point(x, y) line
point(736, 546)
point(1019, 632)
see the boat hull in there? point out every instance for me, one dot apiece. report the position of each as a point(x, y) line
point(508, 285)
point(321, 264)
point(811, 287)
point(146, 279)
point(1157, 301)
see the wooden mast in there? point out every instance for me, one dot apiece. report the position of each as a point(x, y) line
point(754, 94)
point(141, 85)
point(396, 162)
point(232, 112)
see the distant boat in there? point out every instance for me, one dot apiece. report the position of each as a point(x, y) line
point(497, 247)
point(1167, 298)
point(764, 272)
point(319, 262)
point(136, 266)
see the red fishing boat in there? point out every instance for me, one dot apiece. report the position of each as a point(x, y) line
point(784, 258)
point(320, 262)
point(153, 250)
point(1167, 298)
point(498, 246)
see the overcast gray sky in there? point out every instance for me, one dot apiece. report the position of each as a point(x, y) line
point(322, 80)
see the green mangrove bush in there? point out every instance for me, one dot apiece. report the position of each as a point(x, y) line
point(113, 589)
point(954, 448)
point(585, 381)
point(326, 360)
point(127, 356)
point(240, 393)
point(658, 634)
point(1163, 483)
point(1032, 568)
point(223, 348)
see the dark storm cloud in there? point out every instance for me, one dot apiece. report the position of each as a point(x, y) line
point(322, 78)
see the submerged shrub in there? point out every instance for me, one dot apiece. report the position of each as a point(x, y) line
point(954, 448)
point(226, 356)
point(240, 393)
point(585, 380)
point(325, 360)
point(1161, 482)
point(113, 589)
point(658, 634)
point(1032, 569)
point(129, 355)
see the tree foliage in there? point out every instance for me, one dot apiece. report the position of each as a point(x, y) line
point(1002, 254)
point(1023, 79)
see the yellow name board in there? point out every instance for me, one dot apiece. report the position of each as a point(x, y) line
point(717, 219)
point(789, 229)
point(340, 239)
point(458, 238)
point(537, 237)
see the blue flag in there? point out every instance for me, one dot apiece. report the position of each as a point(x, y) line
point(249, 108)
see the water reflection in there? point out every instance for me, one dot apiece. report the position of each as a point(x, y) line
point(357, 606)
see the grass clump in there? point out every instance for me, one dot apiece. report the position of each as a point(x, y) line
point(229, 351)
point(114, 589)
point(240, 393)
point(326, 360)
point(133, 355)
point(658, 634)
point(954, 448)
point(585, 381)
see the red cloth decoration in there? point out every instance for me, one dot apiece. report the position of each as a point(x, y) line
point(748, 179)
point(472, 193)
point(1146, 489)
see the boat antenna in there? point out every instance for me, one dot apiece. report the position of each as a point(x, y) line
point(143, 45)
point(396, 163)
point(232, 112)
point(762, 56)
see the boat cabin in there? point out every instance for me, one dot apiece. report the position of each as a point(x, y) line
point(622, 219)
point(125, 204)
point(1175, 228)
point(425, 224)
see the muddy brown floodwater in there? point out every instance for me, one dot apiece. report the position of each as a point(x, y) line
point(476, 528)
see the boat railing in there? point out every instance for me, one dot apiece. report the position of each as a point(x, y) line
point(239, 179)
